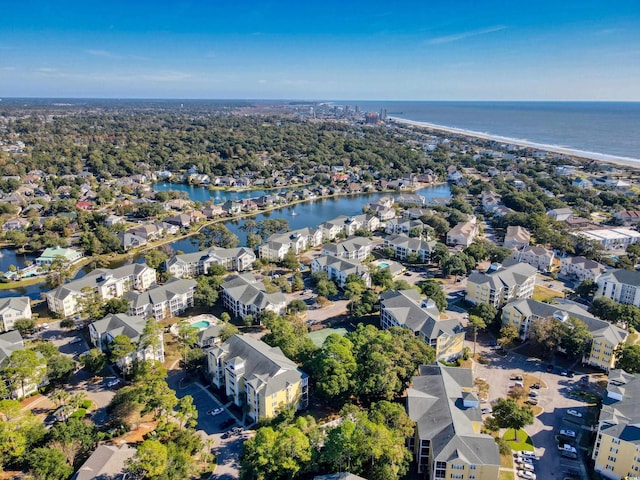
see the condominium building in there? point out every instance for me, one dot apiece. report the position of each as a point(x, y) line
point(612, 238)
point(106, 284)
point(580, 268)
point(606, 337)
point(199, 263)
point(349, 225)
point(102, 333)
point(517, 237)
point(244, 295)
point(257, 376)
point(404, 246)
point(12, 309)
point(354, 248)
point(463, 233)
point(163, 301)
point(501, 286)
point(338, 269)
point(622, 286)
point(447, 443)
point(297, 241)
point(407, 309)
point(617, 449)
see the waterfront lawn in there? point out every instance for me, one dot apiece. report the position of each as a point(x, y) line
point(524, 441)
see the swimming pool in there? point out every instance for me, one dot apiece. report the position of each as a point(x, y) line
point(201, 324)
point(383, 265)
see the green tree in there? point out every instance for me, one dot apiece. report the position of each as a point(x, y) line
point(476, 324)
point(151, 337)
point(290, 261)
point(628, 358)
point(296, 306)
point(487, 312)
point(326, 288)
point(220, 236)
point(508, 333)
point(25, 325)
point(114, 306)
point(25, 367)
point(94, 360)
point(546, 335)
point(440, 254)
point(297, 283)
point(433, 289)
point(509, 415)
point(150, 459)
point(587, 289)
point(74, 438)
point(334, 369)
point(155, 258)
point(576, 338)
point(49, 464)
point(187, 338)
point(227, 331)
point(381, 277)
point(290, 334)
point(120, 348)
point(454, 265)
point(206, 294)
point(187, 413)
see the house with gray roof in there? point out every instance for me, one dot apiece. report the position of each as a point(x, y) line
point(407, 309)
point(257, 376)
point(448, 418)
point(338, 269)
point(107, 462)
point(622, 286)
point(354, 248)
point(102, 333)
point(618, 437)
point(12, 309)
point(105, 283)
point(244, 295)
point(198, 263)
point(501, 286)
point(163, 301)
point(296, 241)
point(130, 240)
point(404, 246)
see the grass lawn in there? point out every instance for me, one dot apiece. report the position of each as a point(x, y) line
point(506, 475)
point(22, 283)
point(541, 293)
point(524, 441)
point(506, 461)
point(633, 338)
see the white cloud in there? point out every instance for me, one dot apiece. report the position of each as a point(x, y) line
point(464, 35)
point(102, 53)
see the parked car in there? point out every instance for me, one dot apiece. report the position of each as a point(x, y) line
point(533, 393)
point(486, 411)
point(571, 373)
point(527, 454)
point(526, 466)
point(535, 385)
point(215, 411)
point(585, 379)
point(113, 382)
point(549, 368)
point(525, 460)
point(532, 401)
point(564, 373)
point(45, 326)
point(527, 475)
point(517, 377)
point(574, 413)
point(568, 433)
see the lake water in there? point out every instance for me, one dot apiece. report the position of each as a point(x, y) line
point(203, 194)
point(307, 214)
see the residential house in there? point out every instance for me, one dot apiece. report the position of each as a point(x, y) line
point(104, 331)
point(130, 240)
point(213, 211)
point(106, 284)
point(244, 295)
point(447, 441)
point(410, 199)
point(627, 217)
point(606, 336)
point(182, 220)
point(199, 263)
point(163, 301)
point(66, 255)
point(404, 246)
point(622, 286)
point(257, 377)
point(517, 237)
point(12, 309)
point(560, 214)
point(149, 231)
point(501, 286)
point(463, 233)
point(611, 238)
point(538, 257)
point(580, 268)
point(106, 462)
point(297, 241)
point(15, 224)
point(231, 207)
point(113, 220)
point(582, 183)
point(407, 309)
point(338, 269)
point(617, 442)
point(354, 248)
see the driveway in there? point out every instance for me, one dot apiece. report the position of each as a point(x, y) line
point(555, 400)
point(227, 450)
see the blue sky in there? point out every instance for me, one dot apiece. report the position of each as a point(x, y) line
point(426, 50)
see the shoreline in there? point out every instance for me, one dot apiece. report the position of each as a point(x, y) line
point(572, 152)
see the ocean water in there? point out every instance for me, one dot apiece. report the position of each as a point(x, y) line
point(609, 128)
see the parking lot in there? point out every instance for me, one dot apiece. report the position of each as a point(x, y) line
point(555, 400)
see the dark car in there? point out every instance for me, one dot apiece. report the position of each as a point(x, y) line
point(585, 379)
point(571, 374)
point(535, 385)
point(549, 368)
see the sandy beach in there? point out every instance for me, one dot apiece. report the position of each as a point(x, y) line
point(601, 157)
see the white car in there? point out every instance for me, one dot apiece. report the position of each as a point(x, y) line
point(533, 393)
point(525, 460)
point(486, 411)
point(45, 326)
point(568, 433)
point(113, 383)
point(526, 474)
point(215, 411)
point(526, 466)
point(574, 413)
point(527, 454)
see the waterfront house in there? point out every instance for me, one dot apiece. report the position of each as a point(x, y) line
point(181, 220)
point(257, 377)
point(213, 211)
point(130, 240)
point(447, 441)
point(103, 332)
point(244, 295)
point(149, 231)
point(501, 286)
point(15, 224)
point(13, 309)
point(65, 255)
point(407, 309)
point(163, 301)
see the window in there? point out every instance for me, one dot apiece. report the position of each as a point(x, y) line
point(612, 459)
point(457, 476)
point(613, 450)
point(615, 441)
point(472, 467)
point(457, 467)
